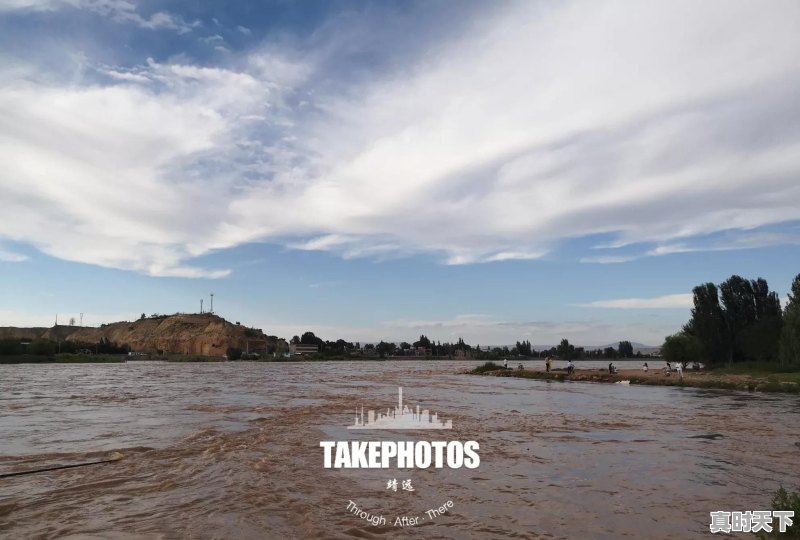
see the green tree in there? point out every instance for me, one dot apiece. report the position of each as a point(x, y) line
point(760, 341)
point(708, 323)
point(565, 350)
point(524, 348)
point(738, 301)
point(42, 347)
point(234, 353)
point(625, 349)
point(681, 347)
point(790, 333)
point(385, 349)
point(11, 346)
point(422, 342)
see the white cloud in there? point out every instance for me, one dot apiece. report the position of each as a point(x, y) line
point(118, 10)
point(540, 123)
point(99, 174)
point(669, 301)
point(9, 256)
point(608, 259)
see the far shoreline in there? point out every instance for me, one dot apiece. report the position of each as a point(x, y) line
point(788, 382)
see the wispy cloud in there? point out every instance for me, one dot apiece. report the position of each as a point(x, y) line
point(10, 256)
point(609, 259)
point(533, 125)
point(121, 11)
point(669, 301)
point(324, 284)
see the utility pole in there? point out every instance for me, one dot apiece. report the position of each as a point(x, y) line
point(212, 304)
point(81, 319)
point(201, 306)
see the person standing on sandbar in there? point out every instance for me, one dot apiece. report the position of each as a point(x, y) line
point(547, 363)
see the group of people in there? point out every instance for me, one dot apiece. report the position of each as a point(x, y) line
point(612, 369)
point(548, 363)
point(668, 368)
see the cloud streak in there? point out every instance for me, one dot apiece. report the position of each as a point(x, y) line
point(120, 11)
point(9, 256)
point(534, 125)
point(669, 301)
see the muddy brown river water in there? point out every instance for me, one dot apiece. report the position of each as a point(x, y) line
point(232, 451)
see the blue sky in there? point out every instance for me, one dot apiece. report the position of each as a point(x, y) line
point(376, 170)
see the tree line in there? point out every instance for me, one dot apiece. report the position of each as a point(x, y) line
point(425, 346)
point(46, 347)
point(740, 320)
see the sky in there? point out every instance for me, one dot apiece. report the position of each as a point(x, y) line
point(495, 171)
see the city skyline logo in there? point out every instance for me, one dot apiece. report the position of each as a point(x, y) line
point(401, 417)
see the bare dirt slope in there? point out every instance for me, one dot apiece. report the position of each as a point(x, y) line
point(182, 333)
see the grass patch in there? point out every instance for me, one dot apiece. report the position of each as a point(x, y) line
point(488, 366)
point(757, 369)
point(783, 500)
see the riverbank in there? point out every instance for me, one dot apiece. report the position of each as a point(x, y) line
point(64, 358)
point(759, 382)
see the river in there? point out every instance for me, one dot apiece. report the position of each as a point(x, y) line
point(232, 451)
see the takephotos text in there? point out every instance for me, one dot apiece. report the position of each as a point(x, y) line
point(400, 454)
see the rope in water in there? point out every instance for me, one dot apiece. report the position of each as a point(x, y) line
point(48, 469)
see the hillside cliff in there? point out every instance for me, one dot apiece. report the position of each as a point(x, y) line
point(203, 334)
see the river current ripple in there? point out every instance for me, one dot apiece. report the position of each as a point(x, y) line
point(232, 451)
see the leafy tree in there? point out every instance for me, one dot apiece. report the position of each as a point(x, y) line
point(739, 305)
point(767, 303)
point(11, 346)
point(761, 341)
point(565, 350)
point(234, 353)
point(72, 321)
point(708, 323)
point(42, 347)
point(423, 341)
point(385, 349)
point(625, 349)
point(523, 348)
point(790, 333)
point(142, 317)
point(681, 347)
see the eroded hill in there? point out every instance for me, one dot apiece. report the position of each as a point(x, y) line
point(203, 334)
